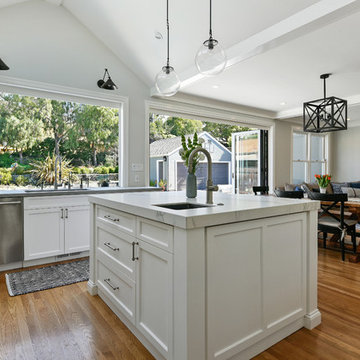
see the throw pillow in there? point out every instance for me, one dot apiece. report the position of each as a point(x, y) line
point(357, 192)
point(349, 191)
point(337, 187)
point(355, 185)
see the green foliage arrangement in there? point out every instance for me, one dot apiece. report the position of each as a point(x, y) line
point(187, 147)
point(44, 170)
point(6, 160)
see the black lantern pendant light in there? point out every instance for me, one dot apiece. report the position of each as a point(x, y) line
point(3, 66)
point(327, 114)
point(108, 84)
point(211, 58)
point(167, 82)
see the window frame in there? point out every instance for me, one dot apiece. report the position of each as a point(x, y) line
point(64, 93)
point(308, 161)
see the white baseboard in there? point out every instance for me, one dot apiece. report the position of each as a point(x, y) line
point(52, 259)
point(11, 266)
point(92, 288)
point(312, 320)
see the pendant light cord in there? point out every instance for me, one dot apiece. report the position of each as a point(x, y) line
point(324, 88)
point(168, 30)
point(210, 30)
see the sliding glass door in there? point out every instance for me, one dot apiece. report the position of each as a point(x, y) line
point(249, 160)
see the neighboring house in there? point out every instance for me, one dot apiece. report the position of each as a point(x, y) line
point(166, 163)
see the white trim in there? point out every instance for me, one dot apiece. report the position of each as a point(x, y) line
point(62, 93)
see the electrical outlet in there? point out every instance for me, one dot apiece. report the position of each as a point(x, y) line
point(136, 178)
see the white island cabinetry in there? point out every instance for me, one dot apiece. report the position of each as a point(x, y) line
point(55, 225)
point(222, 282)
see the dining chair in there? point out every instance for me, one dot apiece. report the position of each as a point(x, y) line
point(262, 190)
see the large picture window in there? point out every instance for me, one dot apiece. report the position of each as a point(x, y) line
point(309, 156)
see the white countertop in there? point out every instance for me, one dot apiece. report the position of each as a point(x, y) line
point(235, 208)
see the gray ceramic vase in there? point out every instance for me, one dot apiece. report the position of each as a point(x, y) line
point(191, 186)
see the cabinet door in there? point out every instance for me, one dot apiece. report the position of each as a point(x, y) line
point(43, 233)
point(77, 229)
point(154, 298)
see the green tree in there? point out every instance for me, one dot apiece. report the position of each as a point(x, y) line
point(20, 125)
point(177, 126)
point(97, 128)
point(58, 117)
point(222, 132)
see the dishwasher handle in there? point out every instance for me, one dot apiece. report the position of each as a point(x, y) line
point(10, 202)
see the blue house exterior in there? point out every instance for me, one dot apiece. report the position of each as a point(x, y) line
point(166, 163)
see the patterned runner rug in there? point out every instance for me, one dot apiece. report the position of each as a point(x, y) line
point(48, 277)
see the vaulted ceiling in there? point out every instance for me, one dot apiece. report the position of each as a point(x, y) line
point(277, 49)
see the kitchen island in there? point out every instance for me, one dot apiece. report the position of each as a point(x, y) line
point(213, 282)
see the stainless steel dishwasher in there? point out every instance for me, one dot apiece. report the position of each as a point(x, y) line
point(11, 230)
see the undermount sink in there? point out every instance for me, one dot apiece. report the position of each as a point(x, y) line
point(183, 206)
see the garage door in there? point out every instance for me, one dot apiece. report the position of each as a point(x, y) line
point(220, 175)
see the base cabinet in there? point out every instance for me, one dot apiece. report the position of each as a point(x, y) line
point(43, 233)
point(136, 275)
point(212, 293)
point(55, 230)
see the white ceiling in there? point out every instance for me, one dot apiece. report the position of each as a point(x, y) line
point(277, 48)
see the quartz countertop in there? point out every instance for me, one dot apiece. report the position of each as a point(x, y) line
point(233, 208)
point(73, 191)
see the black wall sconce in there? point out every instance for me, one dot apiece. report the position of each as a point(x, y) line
point(3, 66)
point(108, 84)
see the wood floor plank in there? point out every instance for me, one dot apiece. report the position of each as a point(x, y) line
point(68, 323)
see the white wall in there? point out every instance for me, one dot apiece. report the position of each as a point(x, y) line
point(45, 43)
point(345, 165)
point(282, 150)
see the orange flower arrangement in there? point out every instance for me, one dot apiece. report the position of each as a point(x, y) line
point(323, 180)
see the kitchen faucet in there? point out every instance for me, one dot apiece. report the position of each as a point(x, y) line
point(209, 184)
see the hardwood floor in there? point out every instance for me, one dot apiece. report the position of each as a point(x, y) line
point(67, 323)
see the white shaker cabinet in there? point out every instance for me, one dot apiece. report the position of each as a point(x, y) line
point(133, 273)
point(43, 233)
point(55, 226)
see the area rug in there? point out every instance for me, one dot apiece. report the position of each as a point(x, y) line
point(48, 277)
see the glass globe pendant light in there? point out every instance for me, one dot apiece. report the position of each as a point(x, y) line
point(211, 58)
point(167, 82)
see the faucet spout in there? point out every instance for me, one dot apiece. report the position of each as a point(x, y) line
point(210, 187)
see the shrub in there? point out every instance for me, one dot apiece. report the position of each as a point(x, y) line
point(21, 180)
point(6, 178)
point(44, 170)
point(19, 170)
point(104, 170)
point(85, 170)
point(76, 170)
point(112, 170)
point(6, 160)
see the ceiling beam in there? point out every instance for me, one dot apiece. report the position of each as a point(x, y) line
point(305, 21)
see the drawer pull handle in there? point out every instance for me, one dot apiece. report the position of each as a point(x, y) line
point(133, 251)
point(110, 218)
point(62, 213)
point(111, 247)
point(109, 283)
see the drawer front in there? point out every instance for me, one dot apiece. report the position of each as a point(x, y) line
point(118, 219)
point(158, 234)
point(119, 289)
point(117, 247)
